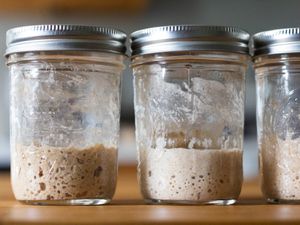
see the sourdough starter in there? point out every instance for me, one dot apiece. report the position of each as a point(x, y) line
point(190, 174)
point(280, 168)
point(41, 173)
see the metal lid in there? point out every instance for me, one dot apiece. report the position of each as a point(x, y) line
point(175, 38)
point(278, 41)
point(64, 37)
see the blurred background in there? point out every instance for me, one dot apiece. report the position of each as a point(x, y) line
point(131, 15)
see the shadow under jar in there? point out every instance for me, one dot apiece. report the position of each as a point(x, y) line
point(64, 112)
point(189, 86)
point(277, 68)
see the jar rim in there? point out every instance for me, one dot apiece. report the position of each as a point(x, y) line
point(278, 41)
point(53, 37)
point(176, 38)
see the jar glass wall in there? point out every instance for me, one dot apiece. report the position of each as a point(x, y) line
point(65, 110)
point(189, 110)
point(278, 121)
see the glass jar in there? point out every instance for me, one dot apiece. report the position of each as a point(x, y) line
point(277, 68)
point(64, 113)
point(189, 86)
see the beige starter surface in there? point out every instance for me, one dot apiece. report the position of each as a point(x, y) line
point(280, 168)
point(180, 174)
point(40, 173)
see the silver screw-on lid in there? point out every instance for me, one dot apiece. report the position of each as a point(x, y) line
point(176, 38)
point(54, 37)
point(278, 41)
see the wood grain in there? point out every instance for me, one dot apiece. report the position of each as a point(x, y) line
point(128, 208)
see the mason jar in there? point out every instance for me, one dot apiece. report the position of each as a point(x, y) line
point(64, 112)
point(189, 87)
point(277, 68)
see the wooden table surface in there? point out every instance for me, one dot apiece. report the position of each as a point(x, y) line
point(128, 208)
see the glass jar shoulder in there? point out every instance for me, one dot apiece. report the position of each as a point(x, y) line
point(202, 58)
point(108, 60)
point(277, 65)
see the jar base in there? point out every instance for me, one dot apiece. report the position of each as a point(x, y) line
point(187, 202)
point(283, 201)
point(67, 202)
